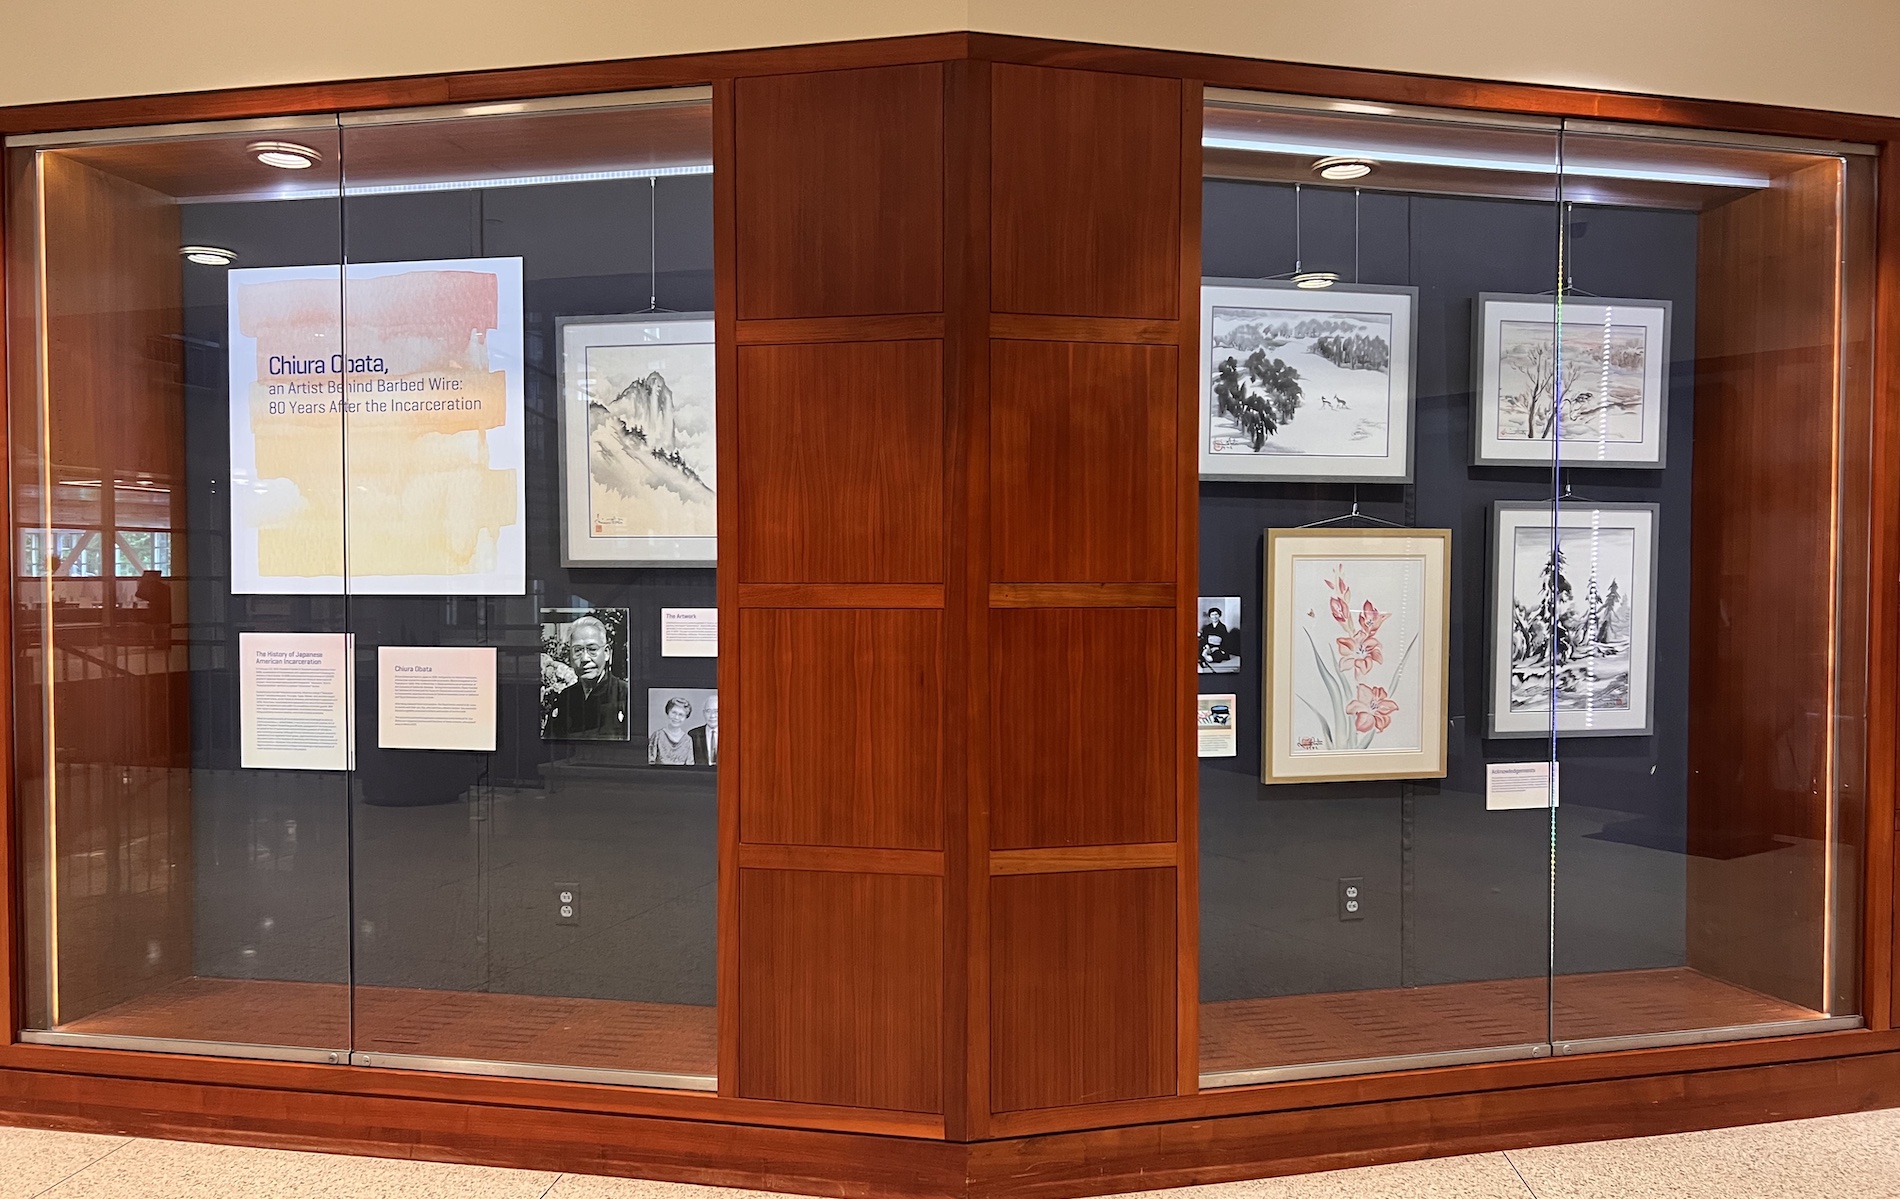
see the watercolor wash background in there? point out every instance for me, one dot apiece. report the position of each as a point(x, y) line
point(435, 503)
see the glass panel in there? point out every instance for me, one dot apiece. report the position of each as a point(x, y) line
point(1367, 905)
point(531, 482)
point(1711, 742)
point(186, 866)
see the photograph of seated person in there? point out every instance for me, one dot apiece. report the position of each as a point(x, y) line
point(1220, 635)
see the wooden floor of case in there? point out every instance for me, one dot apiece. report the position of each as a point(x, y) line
point(1245, 1034)
point(604, 1034)
point(1299, 1030)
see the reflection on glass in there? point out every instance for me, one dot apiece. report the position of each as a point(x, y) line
point(1698, 865)
point(1345, 924)
point(172, 896)
point(484, 423)
point(550, 904)
point(1653, 461)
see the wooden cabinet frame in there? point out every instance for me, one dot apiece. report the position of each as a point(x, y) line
point(970, 1147)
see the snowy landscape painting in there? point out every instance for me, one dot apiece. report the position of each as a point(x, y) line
point(1596, 394)
point(1601, 380)
point(1306, 384)
point(1574, 613)
point(639, 441)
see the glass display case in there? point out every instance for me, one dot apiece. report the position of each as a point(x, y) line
point(365, 599)
point(1501, 486)
point(1615, 384)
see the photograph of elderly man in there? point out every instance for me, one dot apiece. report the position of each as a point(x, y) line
point(706, 736)
point(584, 674)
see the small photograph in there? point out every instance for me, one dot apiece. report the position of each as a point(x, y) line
point(1220, 634)
point(1215, 720)
point(1306, 385)
point(584, 660)
point(682, 726)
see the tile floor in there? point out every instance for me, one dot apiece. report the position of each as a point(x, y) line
point(1840, 1157)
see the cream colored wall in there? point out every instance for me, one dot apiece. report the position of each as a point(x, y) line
point(1838, 54)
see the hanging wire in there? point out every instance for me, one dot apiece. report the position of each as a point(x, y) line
point(1355, 235)
point(1355, 514)
point(653, 247)
point(1297, 267)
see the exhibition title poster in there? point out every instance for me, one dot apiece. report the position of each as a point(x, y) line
point(404, 381)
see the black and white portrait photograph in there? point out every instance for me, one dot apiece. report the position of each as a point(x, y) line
point(682, 726)
point(1306, 384)
point(1589, 387)
point(584, 657)
point(1573, 614)
point(1219, 641)
point(639, 461)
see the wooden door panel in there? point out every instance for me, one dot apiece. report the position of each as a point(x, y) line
point(839, 192)
point(843, 744)
point(1083, 462)
point(1082, 1001)
point(841, 462)
point(1082, 726)
point(841, 988)
point(1085, 193)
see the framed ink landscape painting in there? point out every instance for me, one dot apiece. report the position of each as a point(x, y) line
point(1309, 386)
point(638, 462)
point(1573, 618)
point(1359, 624)
point(1602, 401)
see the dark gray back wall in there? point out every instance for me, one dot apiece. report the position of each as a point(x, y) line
point(439, 870)
point(1454, 892)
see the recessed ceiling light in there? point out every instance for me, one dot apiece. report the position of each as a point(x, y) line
point(289, 156)
point(1344, 168)
point(208, 255)
point(1314, 280)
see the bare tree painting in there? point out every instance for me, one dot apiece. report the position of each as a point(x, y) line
point(1593, 391)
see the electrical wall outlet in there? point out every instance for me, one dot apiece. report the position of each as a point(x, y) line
point(1352, 899)
point(567, 905)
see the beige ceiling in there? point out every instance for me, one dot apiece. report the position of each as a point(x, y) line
point(1837, 54)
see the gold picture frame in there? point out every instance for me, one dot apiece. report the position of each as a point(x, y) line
point(1357, 654)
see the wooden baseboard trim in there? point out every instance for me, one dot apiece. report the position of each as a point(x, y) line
point(1050, 1166)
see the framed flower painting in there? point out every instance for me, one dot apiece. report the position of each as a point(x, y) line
point(1359, 630)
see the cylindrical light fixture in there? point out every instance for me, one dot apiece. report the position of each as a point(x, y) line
point(288, 156)
point(1342, 169)
point(208, 255)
